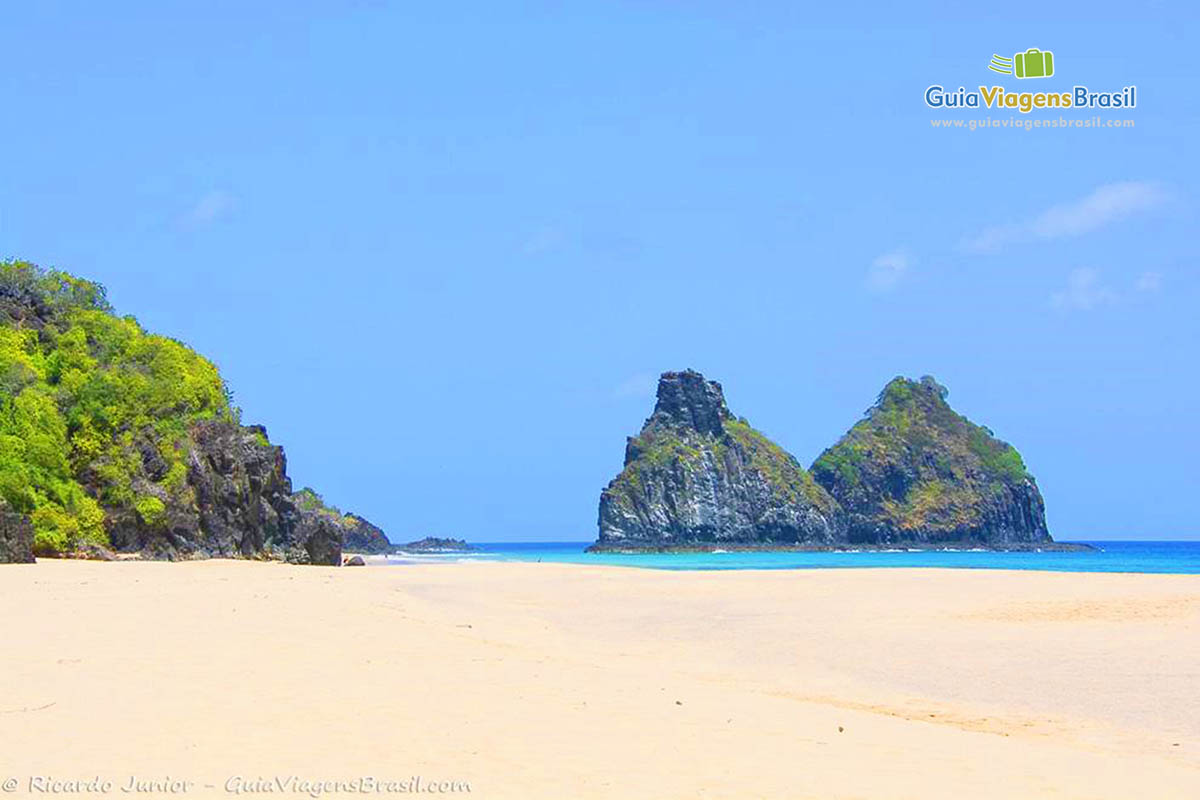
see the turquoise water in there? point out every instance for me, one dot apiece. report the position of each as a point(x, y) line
point(1158, 557)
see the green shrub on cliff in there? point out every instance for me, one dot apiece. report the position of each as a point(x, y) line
point(87, 399)
point(151, 510)
point(998, 458)
point(789, 480)
point(308, 499)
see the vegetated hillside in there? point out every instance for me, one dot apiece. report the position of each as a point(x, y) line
point(914, 470)
point(113, 437)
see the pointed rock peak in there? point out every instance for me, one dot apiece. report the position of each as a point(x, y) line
point(686, 398)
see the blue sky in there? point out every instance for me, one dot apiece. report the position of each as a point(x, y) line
point(443, 253)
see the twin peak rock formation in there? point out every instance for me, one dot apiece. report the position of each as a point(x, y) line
point(912, 472)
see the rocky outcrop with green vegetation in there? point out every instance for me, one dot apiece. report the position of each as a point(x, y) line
point(914, 471)
point(358, 535)
point(436, 544)
point(113, 437)
point(697, 476)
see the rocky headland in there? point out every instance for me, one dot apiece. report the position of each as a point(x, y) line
point(113, 439)
point(358, 534)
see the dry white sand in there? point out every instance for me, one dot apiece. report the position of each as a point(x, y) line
point(558, 681)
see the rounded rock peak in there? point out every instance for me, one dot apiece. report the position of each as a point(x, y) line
point(906, 391)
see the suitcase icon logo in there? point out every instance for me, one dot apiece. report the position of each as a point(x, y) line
point(1033, 63)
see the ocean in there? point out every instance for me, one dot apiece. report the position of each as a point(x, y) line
point(1110, 556)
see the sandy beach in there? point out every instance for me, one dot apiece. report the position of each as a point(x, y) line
point(219, 678)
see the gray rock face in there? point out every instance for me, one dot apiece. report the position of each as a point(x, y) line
point(16, 538)
point(360, 536)
point(914, 471)
point(697, 476)
point(311, 540)
point(687, 401)
point(436, 544)
point(238, 503)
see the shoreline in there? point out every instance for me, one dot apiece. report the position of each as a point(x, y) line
point(379, 559)
point(108, 556)
point(899, 547)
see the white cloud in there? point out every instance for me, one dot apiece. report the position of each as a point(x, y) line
point(1105, 205)
point(1149, 282)
point(887, 271)
point(1084, 291)
point(995, 237)
point(641, 385)
point(210, 207)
